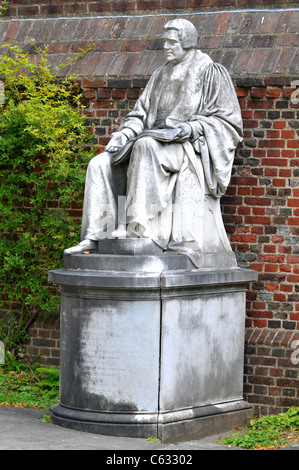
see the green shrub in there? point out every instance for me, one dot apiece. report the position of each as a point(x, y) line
point(267, 431)
point(28, 384)
point(43, 142)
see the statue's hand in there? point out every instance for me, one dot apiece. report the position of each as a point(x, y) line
point(186, 131)
point(117, 141)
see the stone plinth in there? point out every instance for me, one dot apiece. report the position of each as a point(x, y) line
point(151, 346)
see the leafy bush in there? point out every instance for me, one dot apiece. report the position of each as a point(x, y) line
point(43, 141)
point(269, 431)
point(50, 378)
point(28, 384)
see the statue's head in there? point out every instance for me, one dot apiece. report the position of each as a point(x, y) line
point(186, 31)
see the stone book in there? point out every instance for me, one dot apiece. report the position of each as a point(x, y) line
point(167, 134)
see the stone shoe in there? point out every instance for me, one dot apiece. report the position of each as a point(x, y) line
point(85, 245)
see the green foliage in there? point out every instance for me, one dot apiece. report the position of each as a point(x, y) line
point(28, 384)
point(50, 378)
point(154, 439)
point(43, 141)
point(268, 431)
point(3, 7)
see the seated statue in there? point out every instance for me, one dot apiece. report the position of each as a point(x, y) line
point(164, 170)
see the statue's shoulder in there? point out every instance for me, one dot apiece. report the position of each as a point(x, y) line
point(201, 59)
point(204, 65)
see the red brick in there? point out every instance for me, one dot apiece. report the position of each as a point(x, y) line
point(288, 134)
point(273, 134)
point(259, 114)
point(272, 92)
point(133, 94)
point(271, 287)
point(93, 83)
point(269, 248)
point(294, 316)
point(286, 287)
point(244, 191)
point(285, 173)
point(133, 45)
point(171, 4)
point(124, 5)
point(75, 8)
point(286, 268)
point(257, 92)
point(243, 180)
point(274, 162)
point(89, 93)
point(293, 143)
point(273, 153)
point(257, 229)
point(279, 182)
point(118, 94)
point(258, 220)
point(271, 268)
point(257, 267)
point(244, 210)
point(273, 143)
point(241, 92)
point(110, 45)
point(259, 153)
point(104, 93)
point(272, 258)
point(279, 297)
point(258, 201)
point(279, 124)
point(258, 211)
point(293, 221)
point(99, 6)
point(246, 114)
point(250, 123)
point(243, 238)
point(259, 104)
point(260, 323)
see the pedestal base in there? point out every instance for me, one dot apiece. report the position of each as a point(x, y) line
point(151, 352)
point(171, 427)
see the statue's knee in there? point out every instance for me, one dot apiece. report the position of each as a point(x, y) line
point(145, 150)
point(100, 162)
point(145, 143)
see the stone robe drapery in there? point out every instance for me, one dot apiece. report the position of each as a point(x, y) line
point(173, 188)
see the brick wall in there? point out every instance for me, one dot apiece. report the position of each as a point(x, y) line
point(261, 207)
point(58, 8)
point(261, 216)
point(44, 340)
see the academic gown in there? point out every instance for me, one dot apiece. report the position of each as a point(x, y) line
point(170, 191)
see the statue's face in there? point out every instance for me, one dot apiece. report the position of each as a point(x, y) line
point(173, 48)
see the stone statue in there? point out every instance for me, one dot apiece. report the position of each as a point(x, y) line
point(163, 172)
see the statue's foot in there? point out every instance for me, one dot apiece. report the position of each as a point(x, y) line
point(120, 232)
point(85, 245)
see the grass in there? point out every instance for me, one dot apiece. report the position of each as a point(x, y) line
point(267, 433)
point(28, 384)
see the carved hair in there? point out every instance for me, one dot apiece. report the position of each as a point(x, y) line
point(186, 31)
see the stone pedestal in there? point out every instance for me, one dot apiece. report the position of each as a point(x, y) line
point(150, 346)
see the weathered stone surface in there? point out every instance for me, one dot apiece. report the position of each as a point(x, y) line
point(144, 353)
